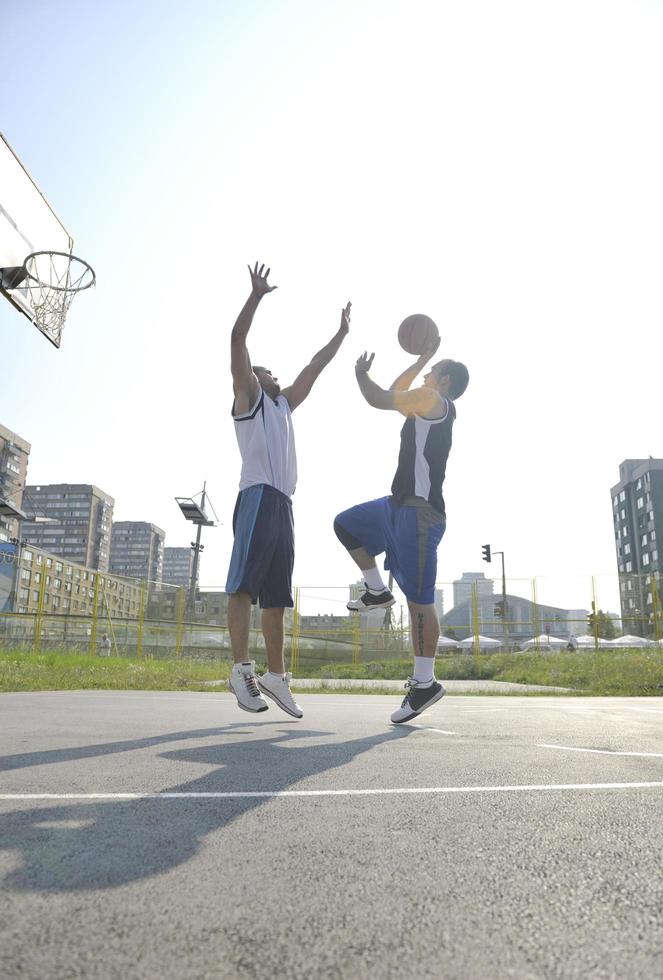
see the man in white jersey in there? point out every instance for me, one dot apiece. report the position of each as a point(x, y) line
point(263, 551)
point(408, 525)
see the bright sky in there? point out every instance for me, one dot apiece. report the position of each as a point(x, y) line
point(496, 166)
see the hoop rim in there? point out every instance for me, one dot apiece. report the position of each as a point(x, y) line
point(65, 255)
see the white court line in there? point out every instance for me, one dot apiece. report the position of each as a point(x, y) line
point(427, 728)
point(427, 790)
point(467, 711)
point(573, 748)
point(651, 711)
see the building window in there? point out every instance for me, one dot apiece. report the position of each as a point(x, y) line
point(37, 578)
point(27, 555)
point(645, 558)
point(25, 575)
point(629, 566)
point(35, 596)
point(627, 549)
point(638, 485)
point(640, 503)
point(622, 496)
point(654, 555)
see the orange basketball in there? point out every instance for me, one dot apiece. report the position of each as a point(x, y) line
point(417, 332)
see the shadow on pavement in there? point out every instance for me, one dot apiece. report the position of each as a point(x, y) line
point(83, 846)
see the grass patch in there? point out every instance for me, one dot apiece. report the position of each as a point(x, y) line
point(604, 672)
point(62, 670)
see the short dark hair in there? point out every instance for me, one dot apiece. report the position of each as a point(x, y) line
point(457, 373)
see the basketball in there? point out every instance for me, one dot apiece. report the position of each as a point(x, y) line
point(417, 333)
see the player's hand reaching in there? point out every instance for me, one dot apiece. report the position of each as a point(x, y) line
point(259, 281)
point(345, 320)
point(430, 351)
point(363, 365)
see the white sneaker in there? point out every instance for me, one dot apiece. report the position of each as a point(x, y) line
point(277, 687)
point(242, 683)
point(369, 599)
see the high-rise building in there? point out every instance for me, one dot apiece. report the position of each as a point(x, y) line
point(464, 587)
point(177, 565)
point(637, 513)
point(75, 522)
point(137, 550)
point(14, 453)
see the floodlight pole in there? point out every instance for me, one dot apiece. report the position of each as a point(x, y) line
point(197, 548)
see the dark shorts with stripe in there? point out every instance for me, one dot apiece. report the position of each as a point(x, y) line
point(263, 553)
point(409, 533)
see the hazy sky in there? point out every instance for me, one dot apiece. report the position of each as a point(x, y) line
point(496, 166)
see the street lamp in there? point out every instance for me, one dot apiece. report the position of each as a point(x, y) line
point(195, 512)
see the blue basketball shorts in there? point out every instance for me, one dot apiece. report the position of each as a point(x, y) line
point(263, 552)
point(408, 533)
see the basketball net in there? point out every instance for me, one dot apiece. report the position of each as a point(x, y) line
point(53, 279)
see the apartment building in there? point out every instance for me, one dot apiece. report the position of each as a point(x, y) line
point(137, 550)
point(74, 522)
point(177, 566)
point(637, 513)
point(14, 454)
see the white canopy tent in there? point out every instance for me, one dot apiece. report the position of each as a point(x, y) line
point(631, 641)
point(587, 642)
point(446, 643)
point(485, 643)
point(544, 642)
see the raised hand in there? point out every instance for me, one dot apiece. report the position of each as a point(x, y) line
point(345, 320)
point(430, 350)
point(259, 281)
point(363, 365)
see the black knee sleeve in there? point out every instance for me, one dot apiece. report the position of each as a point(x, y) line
point(347, 540)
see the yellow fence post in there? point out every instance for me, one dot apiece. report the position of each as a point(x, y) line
point(656, 608)
point(40, 609)
point(141, 621)
point(356, 639)
point(536, 619)
point(179, 619)
point(294, 637)
point(475, 619)
point(595, 617)
point(92, 647)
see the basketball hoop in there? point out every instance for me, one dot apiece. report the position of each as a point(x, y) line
point(53, 279)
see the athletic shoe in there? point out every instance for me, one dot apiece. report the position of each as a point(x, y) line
point(371, 600)
point(244, 686)
point(418, 698)
point(277, 687)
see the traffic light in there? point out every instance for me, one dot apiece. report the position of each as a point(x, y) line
point(499, 610)
point(486, 552)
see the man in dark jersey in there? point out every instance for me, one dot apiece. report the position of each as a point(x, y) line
point(408, 525)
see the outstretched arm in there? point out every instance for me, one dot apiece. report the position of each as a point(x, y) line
point(421, 401)
point(404, 380)
point(301, 386)
point(245, 383)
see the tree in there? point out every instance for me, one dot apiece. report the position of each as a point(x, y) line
point(605, 628)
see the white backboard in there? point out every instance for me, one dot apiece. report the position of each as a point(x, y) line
point(27, 222)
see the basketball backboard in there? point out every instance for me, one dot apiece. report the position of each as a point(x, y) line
point(27, 224)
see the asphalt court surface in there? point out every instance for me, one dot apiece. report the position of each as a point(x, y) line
point(159, 834)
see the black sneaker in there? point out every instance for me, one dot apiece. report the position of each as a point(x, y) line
point(417, 699)
point(371, 600)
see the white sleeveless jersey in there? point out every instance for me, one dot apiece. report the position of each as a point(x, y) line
point(267, 444)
